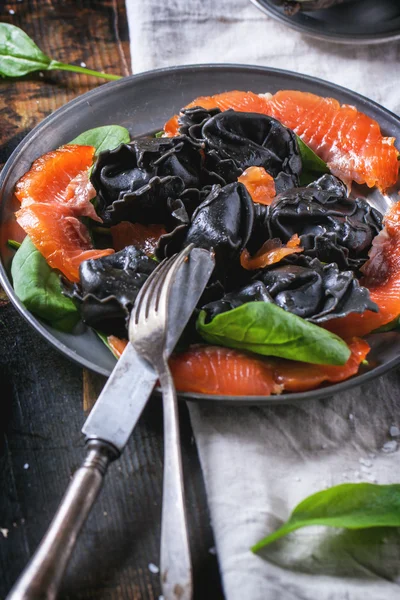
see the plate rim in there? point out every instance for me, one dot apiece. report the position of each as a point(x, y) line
point(270, 10)
point(287, 398)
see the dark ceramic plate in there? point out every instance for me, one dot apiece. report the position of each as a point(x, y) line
point(142, 103)
point(355, 22)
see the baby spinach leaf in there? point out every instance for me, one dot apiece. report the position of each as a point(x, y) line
point(264, 328)
point(103, 138)
point(38, 287)
point(312, 165)
point(350, 505)
point(19, 55)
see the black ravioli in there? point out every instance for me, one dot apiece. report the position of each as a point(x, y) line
point(331, 227)
point(144, 175)
point(108, 288)
point(315, 291)
point(191, 121)
point(306, 288)
point(223, 223)
point(239, 140)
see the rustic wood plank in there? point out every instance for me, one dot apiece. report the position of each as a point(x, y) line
point(41, 392)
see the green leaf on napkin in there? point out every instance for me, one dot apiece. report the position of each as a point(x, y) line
point(103, 138)
point(264, 328)
point(19, 55)
point(312, 165)
point(38, 287)
point(349, 506)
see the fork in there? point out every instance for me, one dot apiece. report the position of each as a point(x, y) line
point(148, 327)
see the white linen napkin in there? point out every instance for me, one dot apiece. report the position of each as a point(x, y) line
point(258, 463)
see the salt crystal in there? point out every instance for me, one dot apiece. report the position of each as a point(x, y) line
point(212, 550)
point(26, 466)
point(394, 431)
point(351, 417)
point(4, 531)
point(365, 462)
point(371, 477)
point(160, 597)
point(83, 64)
point(41, 74)
point(390, 447)
point(22, 521)
point(364, 469)
point(11, 11)
point(324, 446)
point(105, 513)
point(153, 568)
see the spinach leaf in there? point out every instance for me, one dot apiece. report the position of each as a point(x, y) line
point(38, 287)
point(312, 165)
point(103, 138)
point(19, 55)
point(264, 328)
point(350, 505)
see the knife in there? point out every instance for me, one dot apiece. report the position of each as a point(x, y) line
point(107, 430)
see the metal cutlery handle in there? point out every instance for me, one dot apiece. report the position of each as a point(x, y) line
point(41, 578)
point(176, 568)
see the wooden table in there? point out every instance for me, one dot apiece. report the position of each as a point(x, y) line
point(43, 395)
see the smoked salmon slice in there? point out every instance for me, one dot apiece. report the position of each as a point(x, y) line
point(271, 252)
point(217, 370)
point(61, 176)
point(259, 184)
point(350, 142)
point(117, 345)
point(381, 277)
point(53, 194)
point(59, 236)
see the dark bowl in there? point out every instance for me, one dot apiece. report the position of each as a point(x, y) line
point(358, 22)
point(142, 103)
point(308, 5)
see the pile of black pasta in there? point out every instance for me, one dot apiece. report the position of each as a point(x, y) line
point(189, 185)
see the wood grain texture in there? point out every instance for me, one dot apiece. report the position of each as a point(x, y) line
point(41, 393)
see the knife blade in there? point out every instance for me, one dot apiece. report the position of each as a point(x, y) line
point(107, 430)
point(126, 392)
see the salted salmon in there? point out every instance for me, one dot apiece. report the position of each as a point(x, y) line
point(144, 237)
point(61, 176)
point(217, 370)
point(59, 236)
point(259, 184)
point(53, 194)
point(381, 277)
point(350, 142)
point(117, 345)
point(271, 252)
